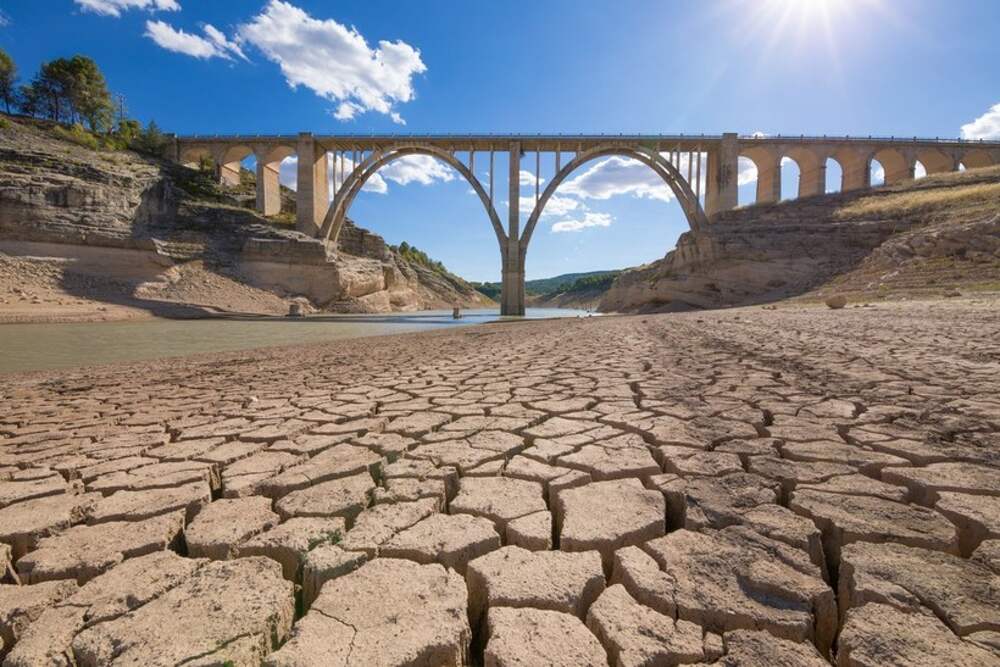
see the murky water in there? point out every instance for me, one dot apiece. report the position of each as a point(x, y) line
point(26, 347)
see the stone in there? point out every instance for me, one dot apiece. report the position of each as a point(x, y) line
point(531, 531)
point(782, 524)
point(121, 589)
point(538, 636)
point(16, 491)
point(976, 517)
point(140, 505)
point(835, 302)
point(604, 464)
point(860, 485)
point(83, 552)
point(635, 635)
point(326, 562)
point(928, 482)
point(344, 497)
point(846, 519)
point(688, 461)
point(866, 461)
point(218, 529)
point(877, 635)
point(334, 463)
point(226, 611)
point(736, 579)
point(605, 516)
point(716, 502)
point(964, 594)
point(20, 606)
point(387, 612)
point(747, 648)
point(451, 540)
point(23, 524)
point(515, 577)
point(376, 526)
point(499, 499)
point(988, 553)
point(290, 542)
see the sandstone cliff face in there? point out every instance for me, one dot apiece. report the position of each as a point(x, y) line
point(159, 216)
point(935, 233)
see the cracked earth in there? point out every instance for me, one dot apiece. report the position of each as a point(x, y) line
point(744, 487)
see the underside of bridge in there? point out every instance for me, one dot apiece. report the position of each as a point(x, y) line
point(702, 172)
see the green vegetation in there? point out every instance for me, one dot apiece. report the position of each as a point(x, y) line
point(567, 282)
point(414, 255)
point(73, 94)
point(8, 78)
point(326, 537)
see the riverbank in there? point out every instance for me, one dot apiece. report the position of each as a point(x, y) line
point(742, 483)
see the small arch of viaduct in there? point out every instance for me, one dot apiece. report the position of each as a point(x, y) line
point(701, 171)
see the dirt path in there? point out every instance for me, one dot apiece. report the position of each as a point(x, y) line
point(796, 486)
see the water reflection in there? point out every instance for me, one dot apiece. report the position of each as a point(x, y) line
point(45, 346)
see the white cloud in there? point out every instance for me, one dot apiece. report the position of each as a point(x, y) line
point(554, 207)
point(919, 171)
point(4, 19)
point(527, 179)
point(878, 173)
point(746, 171)
point(116, 7)
point(335, 61)
point(213, 45)
point(618, 176)
point(986, 126)
point(590, 219)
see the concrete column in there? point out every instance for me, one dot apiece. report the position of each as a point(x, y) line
point(229, 174)
point(812, 180)
point(312, 198)
point(723, 173)
point(855, 174)
point(268, 188)
point(903, 172)
point(512, 257)
point(769, 180)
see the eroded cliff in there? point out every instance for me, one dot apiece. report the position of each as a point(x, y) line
point(936, 234)
point(80, 226)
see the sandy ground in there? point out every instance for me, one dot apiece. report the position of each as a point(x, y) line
point(52, 289)
point(796, 486)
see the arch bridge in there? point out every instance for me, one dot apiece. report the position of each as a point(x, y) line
point(701, 171)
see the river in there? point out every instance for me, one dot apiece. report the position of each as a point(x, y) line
point(28, 347)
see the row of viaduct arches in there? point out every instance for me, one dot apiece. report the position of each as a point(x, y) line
point(701, 172)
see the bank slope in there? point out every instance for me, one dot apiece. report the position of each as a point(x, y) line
point(933, 235)
point(114, 232)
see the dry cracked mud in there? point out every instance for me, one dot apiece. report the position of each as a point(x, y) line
point(741, 487)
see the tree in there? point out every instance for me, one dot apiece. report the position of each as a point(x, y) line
point(150, 140)
point(28, 100)
point(73, 89)
point(8, 77)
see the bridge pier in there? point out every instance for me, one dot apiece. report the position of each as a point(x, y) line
point(512, 256)
point(312, 190)
point(268, 187)
point(721, 192)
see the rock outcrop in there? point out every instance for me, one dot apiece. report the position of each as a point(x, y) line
point(123, 228)
point(929, 235)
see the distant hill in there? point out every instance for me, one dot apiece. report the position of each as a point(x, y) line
point(548, 286)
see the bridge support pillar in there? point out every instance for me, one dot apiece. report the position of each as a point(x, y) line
point(268, 188)
point(769, 180)
point(512, 256)
point(229, 174)
point(312, 197)
point(856, 173)
point(723, 176)
point(812, 180)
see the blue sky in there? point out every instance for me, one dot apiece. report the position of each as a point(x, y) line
point(774, 66)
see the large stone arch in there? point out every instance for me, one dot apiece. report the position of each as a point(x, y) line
point(228, 159)
point(664, 169)
point(898, 165)
point(977, 158)
point(191, 155)
point(333, 221)
point(936, 161)
point(855, 168)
